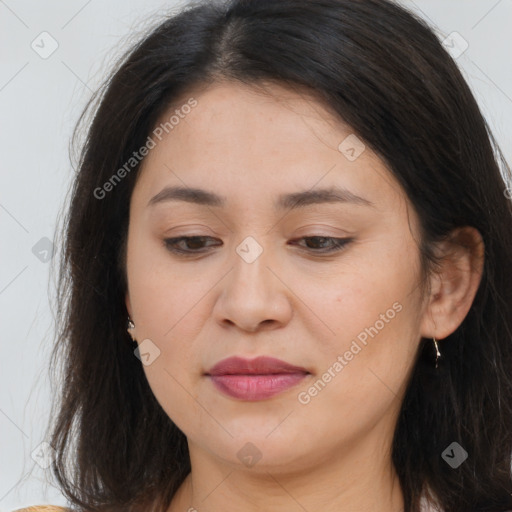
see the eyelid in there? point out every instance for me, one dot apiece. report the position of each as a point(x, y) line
point(337, 246)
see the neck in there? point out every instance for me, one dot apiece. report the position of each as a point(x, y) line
point(355, 481)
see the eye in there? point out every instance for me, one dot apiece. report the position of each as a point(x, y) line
point(190, 245)
point(194, 243)
point(335, 244)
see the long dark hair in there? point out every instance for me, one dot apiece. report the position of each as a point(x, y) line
point(384, 73)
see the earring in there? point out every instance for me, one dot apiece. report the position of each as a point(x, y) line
point(438, 354)
point(129, 326)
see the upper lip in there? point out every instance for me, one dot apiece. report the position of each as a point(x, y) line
point(259, 366)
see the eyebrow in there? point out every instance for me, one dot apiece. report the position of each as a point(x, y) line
point(285, 201)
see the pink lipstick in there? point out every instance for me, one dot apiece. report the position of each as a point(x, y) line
point(255, 379)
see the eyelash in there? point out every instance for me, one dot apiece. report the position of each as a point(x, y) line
point(338, 244)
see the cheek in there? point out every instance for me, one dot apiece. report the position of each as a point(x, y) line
point(172, 316)
point(364, 367)
point(169, 312)
point(372, 313)
point(161, 292)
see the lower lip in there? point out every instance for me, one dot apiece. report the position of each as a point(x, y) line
point(256, 387)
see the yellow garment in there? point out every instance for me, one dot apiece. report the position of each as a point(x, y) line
point(42, 508)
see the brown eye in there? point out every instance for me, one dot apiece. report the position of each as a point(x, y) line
point(190, 245)
point(325, 244)
point(186, 244)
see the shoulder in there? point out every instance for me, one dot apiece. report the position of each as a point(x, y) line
point(42, 508)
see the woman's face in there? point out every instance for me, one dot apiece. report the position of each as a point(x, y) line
point(255, 284)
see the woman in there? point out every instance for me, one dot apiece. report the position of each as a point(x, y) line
point(297, 213)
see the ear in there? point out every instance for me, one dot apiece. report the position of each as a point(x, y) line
point(454, 285)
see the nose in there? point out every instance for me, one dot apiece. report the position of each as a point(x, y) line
point(254, 295)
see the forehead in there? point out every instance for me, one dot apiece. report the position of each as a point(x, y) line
point(233, 115)
point(244, 141)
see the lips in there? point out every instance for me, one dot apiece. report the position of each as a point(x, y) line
point(255, 379)
point(260, 366)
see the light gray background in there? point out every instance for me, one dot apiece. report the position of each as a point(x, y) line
point(40, 100)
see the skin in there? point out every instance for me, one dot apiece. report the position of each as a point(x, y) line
point(333, 453)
